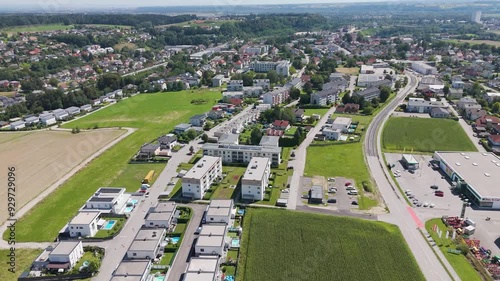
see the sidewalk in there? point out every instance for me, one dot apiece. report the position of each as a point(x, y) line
point(437, 251)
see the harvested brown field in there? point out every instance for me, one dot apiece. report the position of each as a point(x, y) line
point(43, 157)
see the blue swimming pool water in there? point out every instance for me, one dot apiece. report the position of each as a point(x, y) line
point(159, 278)
point(109, 225)
point(128, 209)
point(235, 243)
point(229, 278)
point(134, 201)
point(175, 240)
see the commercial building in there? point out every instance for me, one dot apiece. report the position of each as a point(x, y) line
point(423, 68)
point(242, 153)
point(476, 174)
point(84, 224)
point(199, 178)
point(147, 244)
point(137, 270)
point(420, 105)
point(409, 162)
point(107, 200)
point(281, 67)
point(65, 255)
point(256, 179)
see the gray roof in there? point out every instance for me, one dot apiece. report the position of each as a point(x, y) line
point(195, 276)
point(229, 138)
point(132, 268)
point(317, 192)
point(269, 141)
point(480, 170)
point(215, 230)
point(219, 211)
point(17, 123)
point(149, 147)
point(383, 82)
point(199, 116)
point(183, 126)
point(169, 138)
point(203, 265)
point(149, 234)
point(210, 241)
point(226, 147)
point(437, 110)
point(162, 207)
point(85, 218)
point(31, 119)
point(65, 247)
point(201, 167)
point(146, 245)
point(165, 216)
point(256, 168)
point(225, 203)
point(367, 92)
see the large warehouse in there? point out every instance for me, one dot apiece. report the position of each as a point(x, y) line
point(477, 174)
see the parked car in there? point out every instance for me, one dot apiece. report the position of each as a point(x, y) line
point(431, 205)
point(332, 201)
point(198, 230)
point(147, 194)
point(434, 186)
point(425, 205)
point(439, 193)
point(352, 192)
point(348, 183)
point(355, 203)
point(332, 190)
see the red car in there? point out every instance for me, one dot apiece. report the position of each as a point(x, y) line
point(439, 193)
point(348, 183)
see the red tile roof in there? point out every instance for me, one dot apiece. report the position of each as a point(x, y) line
point(281, 123)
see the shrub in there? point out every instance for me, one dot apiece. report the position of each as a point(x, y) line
point(367, 186)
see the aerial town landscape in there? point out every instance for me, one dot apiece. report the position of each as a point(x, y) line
point(323, 141)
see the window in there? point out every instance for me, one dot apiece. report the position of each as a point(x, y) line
point(211, 219)
point(134, 254)
point(202, 250)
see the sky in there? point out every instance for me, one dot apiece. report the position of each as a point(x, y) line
point(143, 3)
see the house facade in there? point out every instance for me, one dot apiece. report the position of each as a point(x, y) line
point(65, 254)
point(199, 178)
point(84, 224)
point(255, 179)
point(242, 153)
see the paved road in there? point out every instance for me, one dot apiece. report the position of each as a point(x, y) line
point(28, 206)
point(300, 162)
point(401, 214)
point(182, 257)
point(117, 248)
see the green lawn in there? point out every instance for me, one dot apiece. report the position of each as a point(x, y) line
point(344, 160)
point(103, 233)
point(311, 111)
point(281, 245)
point(87, 256)
point(167, 258)
point(459, 262)
point(24, 258)
point(425, 135)
point(291, 131)
point(153, 114)
point(36, 28)
point(133, 174)
point(223, 190)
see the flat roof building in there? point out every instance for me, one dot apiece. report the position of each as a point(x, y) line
point(202, 269)
point(256, 179)
point(213, 230)
point(146, 244)
point(107, 200)
point(242, 153)
point(477, 174)
point(84, 224)
point(136, 270)
point(210, 245)
point(199, 178)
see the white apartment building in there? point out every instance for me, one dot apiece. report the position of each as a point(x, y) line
point(84, 224)
point(423, 68)
point(276, 97)
point(242, 153)
point(420, 105)
point(281, 67)
point(256, 179)
point(264, 83)
point(199, 178)
point(235, 86)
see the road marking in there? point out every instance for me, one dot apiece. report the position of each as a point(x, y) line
point(415, 217)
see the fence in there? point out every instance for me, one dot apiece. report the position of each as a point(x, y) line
point(57, 278)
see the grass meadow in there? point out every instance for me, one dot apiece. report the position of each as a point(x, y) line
point(424, 135)
point(36, 28)
point(153, 115)
point(24, 258)
point(279, 245)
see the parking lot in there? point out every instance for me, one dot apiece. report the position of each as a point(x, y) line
point(343, 200)
point(488, 232)
point(420, 182)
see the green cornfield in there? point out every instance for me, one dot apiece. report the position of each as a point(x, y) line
point(281, 245)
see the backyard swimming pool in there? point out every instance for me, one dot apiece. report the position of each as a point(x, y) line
point(128, 209)
point(109, 225)
point(235, 243)
point(174, 239)
point(134, 201)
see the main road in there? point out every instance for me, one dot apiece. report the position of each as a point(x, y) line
point(401, 214)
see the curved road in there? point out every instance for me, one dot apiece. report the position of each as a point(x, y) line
point(401, 214)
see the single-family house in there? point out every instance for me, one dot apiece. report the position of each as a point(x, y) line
point(17, 125)
point(474, 113)
point(216, 114)
point(220, 211)
point(455, 93)
point(282, 125)
point(494, 143)
point(210, 245)
point(468, 102)
point(148, 150)
point(341, 123)
point(84, 224)
point(107, 200)
point(491, 96)
point(420, 105)
point(217, 80)
point(167, 141)
point(73, 110)
point(147, 244)
point(182, 128)
point(65, 255)
point(47, 119)
point(132, 270)
point(33, 120)
point(487, 121)
point(299, 114)
point(198, 120)
point(331, 134)
point(202, 269)
point(86, 108)
point(439, 112)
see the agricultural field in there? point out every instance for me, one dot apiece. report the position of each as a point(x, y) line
point(7, 94)
point(280, 245)
point(36, 28)
point(153, 115)
point(348, 70)
point(459, 262)
point(28, 255)
point(43, 157)
point(424, 135)
point(130, 46)
point(477, 42)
